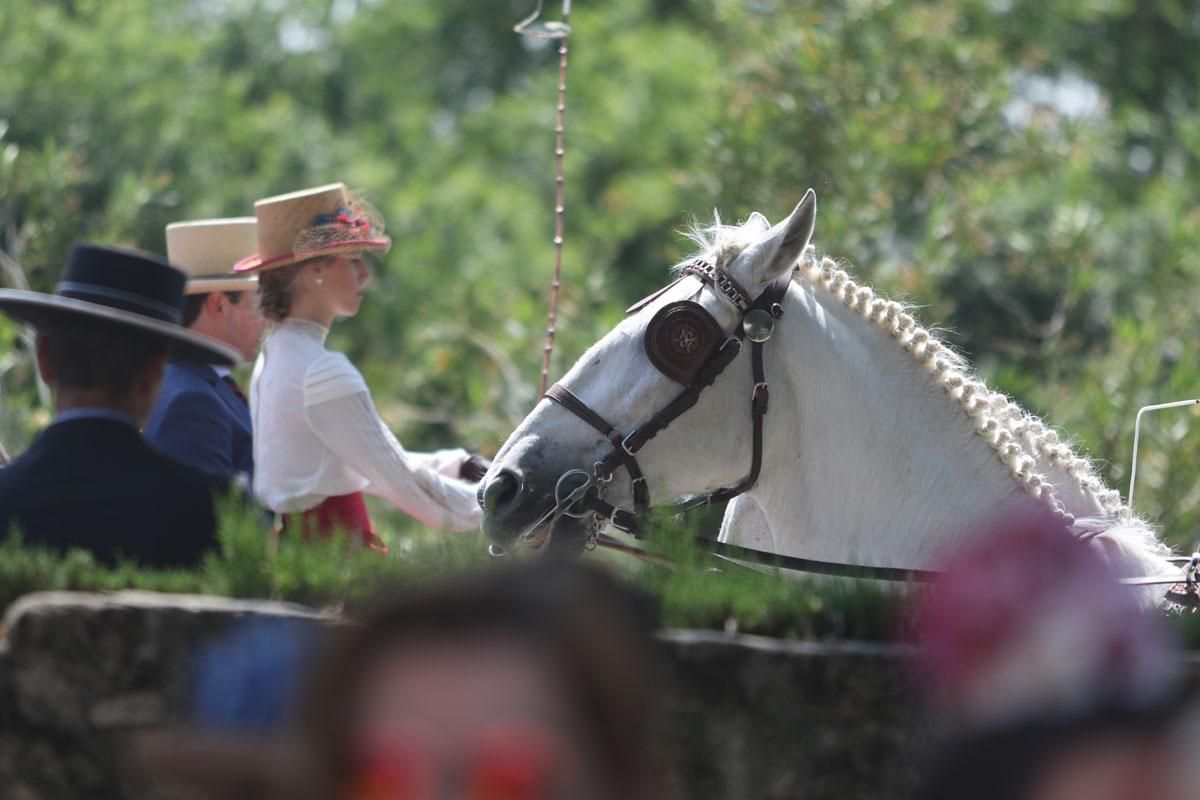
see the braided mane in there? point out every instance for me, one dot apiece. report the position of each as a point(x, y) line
point(1018, 438)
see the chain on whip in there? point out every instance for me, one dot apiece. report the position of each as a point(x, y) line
point(533, 27)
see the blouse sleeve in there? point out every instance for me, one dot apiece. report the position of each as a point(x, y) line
point(443, 462)
point(340, 412)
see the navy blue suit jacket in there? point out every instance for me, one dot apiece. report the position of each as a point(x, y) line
point(198, 420)
point(96, 484)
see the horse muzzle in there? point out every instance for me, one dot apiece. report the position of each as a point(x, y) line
point(506, 506)
point(518, 517)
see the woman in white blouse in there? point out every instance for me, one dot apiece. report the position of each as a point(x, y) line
point(318, 440)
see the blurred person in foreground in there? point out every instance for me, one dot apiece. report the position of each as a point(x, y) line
point(526, 682)
point(1054, 684)
point(90, 480)
point(202, 416)
point(319, 442)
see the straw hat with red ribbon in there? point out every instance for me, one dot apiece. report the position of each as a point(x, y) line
point(325, 221)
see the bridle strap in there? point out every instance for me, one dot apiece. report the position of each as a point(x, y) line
point(760, 398)
point(720, 280)
point(568, 400)
point(684, 401)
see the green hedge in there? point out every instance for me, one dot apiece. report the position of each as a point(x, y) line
point(696, 592)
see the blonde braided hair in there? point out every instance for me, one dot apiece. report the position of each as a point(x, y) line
point(276, 286)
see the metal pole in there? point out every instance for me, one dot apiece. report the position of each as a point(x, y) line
point(1137, 425)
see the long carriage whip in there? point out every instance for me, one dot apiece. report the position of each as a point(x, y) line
point(530, 26)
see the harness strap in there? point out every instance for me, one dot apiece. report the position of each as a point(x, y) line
point(625, 450)
point(684, 401)
point(760, 397)
point(650, 298)
point(567, 399)
point(733, 551)
point(620, 518)
point(720, 280)
point(619, 454)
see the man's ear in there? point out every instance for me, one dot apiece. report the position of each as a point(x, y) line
point(216, 305)
point(146, 387)
point(42, 356)
point(159, 363)
point(152, 375)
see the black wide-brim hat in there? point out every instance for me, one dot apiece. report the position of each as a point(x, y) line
point(129, 289)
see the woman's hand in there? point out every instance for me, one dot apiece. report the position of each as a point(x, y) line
point(473, 468)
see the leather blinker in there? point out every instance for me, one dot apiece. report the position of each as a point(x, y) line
point(680, 338)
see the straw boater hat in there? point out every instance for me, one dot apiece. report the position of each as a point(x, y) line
point(324, 221)
point(129, 289)
point(207, 249)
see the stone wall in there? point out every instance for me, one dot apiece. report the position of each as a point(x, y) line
point(751, 717)
point(79, 670)
point(743, 717)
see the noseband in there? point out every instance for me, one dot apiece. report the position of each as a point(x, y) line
point(687, 345)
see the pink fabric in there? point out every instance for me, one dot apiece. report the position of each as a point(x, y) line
point(1027, 618)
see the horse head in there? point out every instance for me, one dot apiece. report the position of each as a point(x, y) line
point(626, 379)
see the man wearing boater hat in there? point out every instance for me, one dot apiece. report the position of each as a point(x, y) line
point(90, 480)
point(201, 417)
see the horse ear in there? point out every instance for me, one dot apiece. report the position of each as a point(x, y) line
point(757, 222)
point(776, 253)
point(796, 234)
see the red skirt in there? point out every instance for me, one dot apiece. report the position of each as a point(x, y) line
point(347, 512)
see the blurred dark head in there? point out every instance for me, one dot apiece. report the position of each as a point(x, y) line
point(531, 679)
point(94, 356)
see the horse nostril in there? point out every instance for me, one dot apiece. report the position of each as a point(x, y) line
point(501, 490)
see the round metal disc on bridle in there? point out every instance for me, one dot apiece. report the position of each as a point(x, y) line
point(758, 325)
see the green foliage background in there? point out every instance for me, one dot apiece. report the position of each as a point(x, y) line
point(1026, 171)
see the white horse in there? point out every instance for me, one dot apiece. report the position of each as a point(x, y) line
point(881, 447)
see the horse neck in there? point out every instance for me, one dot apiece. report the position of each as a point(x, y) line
point(867, 459)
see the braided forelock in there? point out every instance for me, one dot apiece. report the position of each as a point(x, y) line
point(719, 244)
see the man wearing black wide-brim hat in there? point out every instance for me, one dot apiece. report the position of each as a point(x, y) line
point(90, 480)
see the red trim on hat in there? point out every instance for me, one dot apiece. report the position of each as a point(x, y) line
point(254, 262)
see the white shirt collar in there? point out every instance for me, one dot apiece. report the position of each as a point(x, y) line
point(313, 330)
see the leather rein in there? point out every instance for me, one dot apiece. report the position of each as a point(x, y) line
point(756, 324)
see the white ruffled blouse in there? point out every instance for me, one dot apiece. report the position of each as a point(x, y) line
point(317, 434)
